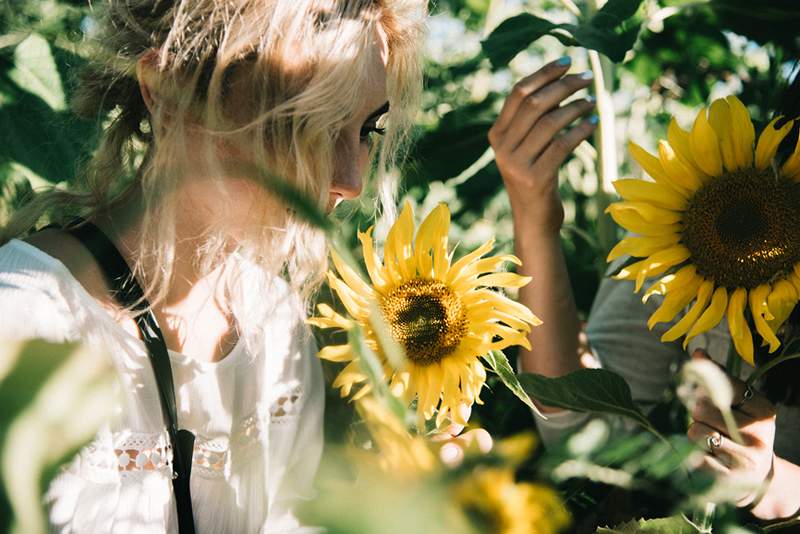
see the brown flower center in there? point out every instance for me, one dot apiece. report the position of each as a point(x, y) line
point(427, 318)
point(743, 228)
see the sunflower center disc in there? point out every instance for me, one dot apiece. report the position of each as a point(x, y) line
point(427, 318)
point(743, 228)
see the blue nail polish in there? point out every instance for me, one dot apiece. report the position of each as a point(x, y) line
point(594, 119)
point(563, 61)
point(586, 75)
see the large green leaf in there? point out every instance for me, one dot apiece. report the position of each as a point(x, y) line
point(611, 31)
point(499, 364)
point(585, 390)
point(35, 71)
point(664, 525)
point(53, 398)
point(37, 131)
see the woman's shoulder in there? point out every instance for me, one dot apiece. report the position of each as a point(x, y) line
point(37, 290)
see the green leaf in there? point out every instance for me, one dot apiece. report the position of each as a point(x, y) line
point(604, 40)
point(499, 364)
point(615, 12)
point(586, 390)
point(36, 72)
point(514, 35)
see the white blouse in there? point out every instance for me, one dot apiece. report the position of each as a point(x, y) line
point(256, 414)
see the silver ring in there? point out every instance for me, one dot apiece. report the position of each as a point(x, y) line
point(746, 396)
point(713, 441)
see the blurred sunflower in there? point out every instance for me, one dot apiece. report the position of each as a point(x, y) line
point(442, 314)
point(496, 503)
point(723, 218)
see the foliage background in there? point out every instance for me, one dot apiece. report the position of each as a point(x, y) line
point(685, 53)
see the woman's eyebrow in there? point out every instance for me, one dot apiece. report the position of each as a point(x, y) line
point(380, 111)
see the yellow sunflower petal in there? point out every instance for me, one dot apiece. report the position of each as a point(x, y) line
point(485, 265)
point(457, 267)
point(650, 213)
point(686, 275)
point(350, 277)
point(336, 353)
point(705, 145)
point(429, 236)
point(659, 262)
point(641, 246)
point(686, 322)
point(349, 376)
point(768, 142)
point(719, 115)
point(329, 319)
point(743, 133)
point(356, 305)
point(781, 302)
point(652, 166)
point(759, 309)
point(674, 301)
point(441, 261)
point(503, 280)
point(711, 316)
point(652, 192)
point(791, 168)
point(679, 140)
point(397, 251)
point(633, 222)
point(371, 260)
point(740, 332)
point(678, 172)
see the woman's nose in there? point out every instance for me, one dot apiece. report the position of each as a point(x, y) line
point(346, 187)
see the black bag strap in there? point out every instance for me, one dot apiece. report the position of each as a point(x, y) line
point(128, 294)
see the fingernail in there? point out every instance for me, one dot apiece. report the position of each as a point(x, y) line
point(563, 61)
point(594, 119)
point(591, 99)
point(586, 75)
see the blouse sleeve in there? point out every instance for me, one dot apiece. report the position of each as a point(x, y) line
point(293, 479)
point(31, 303)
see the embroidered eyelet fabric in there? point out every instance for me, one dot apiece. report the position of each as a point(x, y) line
point(256, 415)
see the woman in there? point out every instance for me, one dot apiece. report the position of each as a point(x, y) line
point(215, 93)
point(769, 460)
point(221, 95)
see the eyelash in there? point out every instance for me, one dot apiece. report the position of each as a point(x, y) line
point(366, 130)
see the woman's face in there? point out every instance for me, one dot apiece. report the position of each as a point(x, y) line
point(352, 148)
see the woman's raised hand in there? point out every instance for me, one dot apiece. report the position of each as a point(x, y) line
point(531, 140)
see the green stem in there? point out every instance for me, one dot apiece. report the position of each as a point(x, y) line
point(761, 371)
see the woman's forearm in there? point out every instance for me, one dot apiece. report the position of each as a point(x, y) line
point(555, 342)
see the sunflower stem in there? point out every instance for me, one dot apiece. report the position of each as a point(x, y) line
point(761, 371)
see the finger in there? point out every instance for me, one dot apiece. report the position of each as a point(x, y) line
point(757, 406)
point(478, 437)
point(550, 125)
point(706, 412)
point(728, 451)
point(454, 429)
point(527, 86)
point(451, 453)
point(562, 146)
point(539, 103)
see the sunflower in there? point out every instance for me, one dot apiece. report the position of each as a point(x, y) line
point(442, 314)
point(723, 219)
point(496, 503)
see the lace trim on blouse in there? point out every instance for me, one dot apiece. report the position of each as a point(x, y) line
point(139, 453)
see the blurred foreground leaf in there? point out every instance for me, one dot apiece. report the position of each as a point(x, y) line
point(53, 399)
point(665, 525)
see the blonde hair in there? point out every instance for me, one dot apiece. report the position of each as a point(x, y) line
point(297, 66)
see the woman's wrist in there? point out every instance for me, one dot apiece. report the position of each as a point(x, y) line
point(781, 499)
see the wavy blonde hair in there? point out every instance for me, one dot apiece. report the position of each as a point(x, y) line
point(298, 67)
